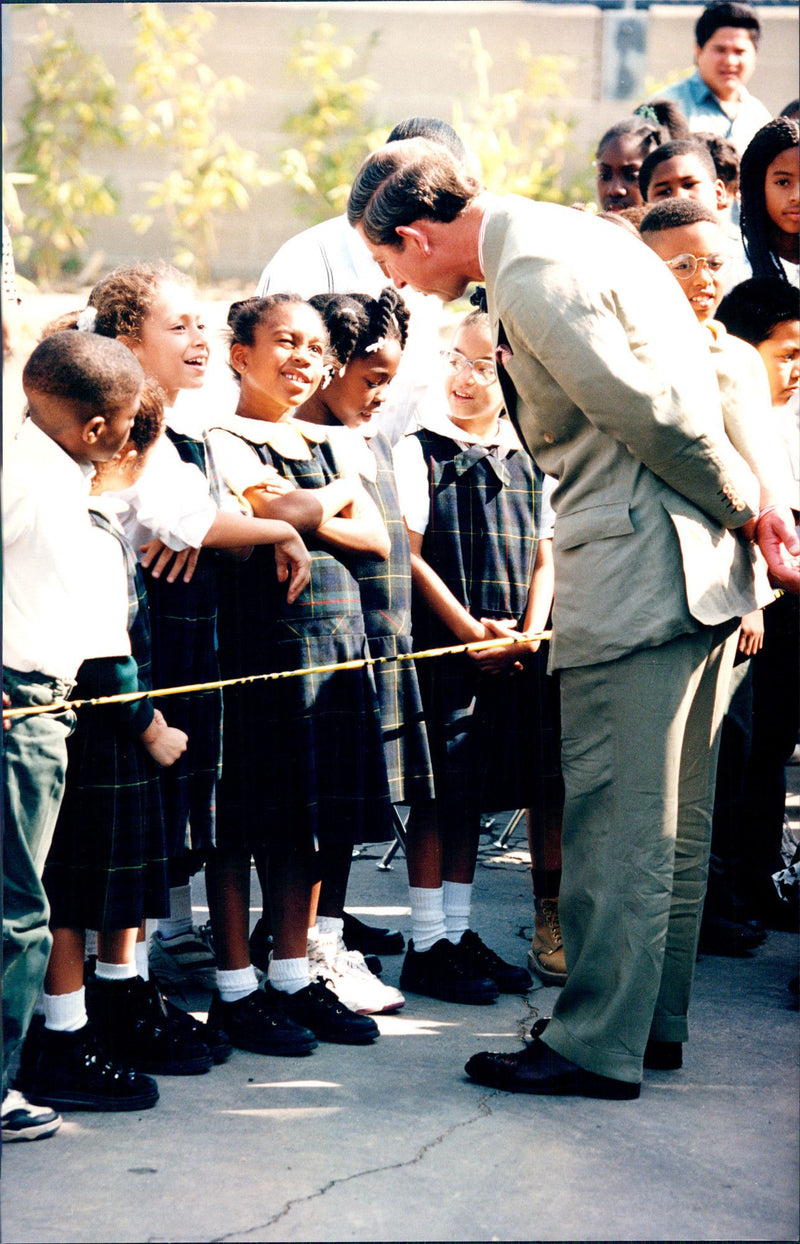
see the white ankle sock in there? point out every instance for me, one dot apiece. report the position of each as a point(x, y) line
point(142, 962)
point(427, 916)
point(115, 971)
point(457, 903)
point(65, 1012)
point(288, 975)
point(237, 983)
point(180, 913)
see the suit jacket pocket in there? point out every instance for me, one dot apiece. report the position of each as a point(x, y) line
point(596, 522)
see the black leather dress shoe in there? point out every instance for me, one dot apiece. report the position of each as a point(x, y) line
point(663, 1055)
point(538, 1069)
point(369, 939)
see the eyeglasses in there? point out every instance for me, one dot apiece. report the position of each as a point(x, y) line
point(685, 266)
point(455, 362)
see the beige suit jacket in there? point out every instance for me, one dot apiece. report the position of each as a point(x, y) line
point(611, 387)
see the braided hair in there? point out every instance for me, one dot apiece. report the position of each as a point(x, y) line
point(358, 325)
point(757, 227)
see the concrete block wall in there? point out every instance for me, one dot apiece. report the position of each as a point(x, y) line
point(419, 60)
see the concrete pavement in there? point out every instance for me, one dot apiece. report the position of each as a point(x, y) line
point(391, 1142)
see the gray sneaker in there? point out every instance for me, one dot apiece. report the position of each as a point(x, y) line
point(187, 959)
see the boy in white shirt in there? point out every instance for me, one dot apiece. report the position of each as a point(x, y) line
point(83, 393)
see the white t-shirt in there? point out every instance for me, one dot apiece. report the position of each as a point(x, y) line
point(331, 258)
point(47, 552)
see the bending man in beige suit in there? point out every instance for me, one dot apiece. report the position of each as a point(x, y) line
point(608, 380)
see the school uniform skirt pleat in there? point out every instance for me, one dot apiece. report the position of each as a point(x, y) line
point(183, 618)
point(385, 593)
point(107, 866)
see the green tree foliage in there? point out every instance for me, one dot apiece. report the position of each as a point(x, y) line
point(180, 101)
point(70, 112)
point(520, 140)
point(335, 130)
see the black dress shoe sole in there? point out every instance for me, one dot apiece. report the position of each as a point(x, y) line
point(484, 997)
point(575, 1083)
point(196, 1066)
point(284, 1048)
point(67, 1099)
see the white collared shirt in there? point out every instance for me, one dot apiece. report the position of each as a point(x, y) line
point(170, 500)
point(47, 551)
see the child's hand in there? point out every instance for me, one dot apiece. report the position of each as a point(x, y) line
point(162, 554)
point(164, 743)
point(6, 704)
point(497, 660)
point(293, 562)
point(275, 484)
point(751, 633)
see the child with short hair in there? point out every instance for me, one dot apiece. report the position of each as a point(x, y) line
point(82, 398)
point(303, 770)
point(107, 865)
point(471, 497)
point(682, 169)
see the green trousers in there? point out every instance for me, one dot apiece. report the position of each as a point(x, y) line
point(640, 737)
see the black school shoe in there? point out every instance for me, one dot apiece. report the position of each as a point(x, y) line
point(317, 1007)
point(216, 1040)
point(259, 1024)
point(369, 940)
point(442, 972)
point(539, 1070)
point(484, 962)
point(72, 1071)
point(134, 1025)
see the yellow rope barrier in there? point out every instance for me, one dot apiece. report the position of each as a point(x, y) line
point(131, 697)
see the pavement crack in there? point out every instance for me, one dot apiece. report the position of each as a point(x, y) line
point(484, 1111)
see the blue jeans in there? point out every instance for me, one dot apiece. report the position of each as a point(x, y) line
point(34, 766)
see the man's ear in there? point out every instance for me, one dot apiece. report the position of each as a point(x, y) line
point(697, 51)
point(722, 195)
point(417, 235)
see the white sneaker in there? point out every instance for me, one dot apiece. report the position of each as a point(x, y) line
point(186, 958)
point(351, 980)
point(24, 1121)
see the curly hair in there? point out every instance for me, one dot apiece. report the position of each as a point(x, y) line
point(92, 373)
point(124, 297)
point(757, 228)
point(358, 324)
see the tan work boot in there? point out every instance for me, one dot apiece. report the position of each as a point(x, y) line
point(546, 955)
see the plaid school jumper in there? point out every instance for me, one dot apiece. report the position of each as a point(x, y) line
point(107, 866)
point(302, 760)
point(385, 588)
point(490, 734)
point(183, 618)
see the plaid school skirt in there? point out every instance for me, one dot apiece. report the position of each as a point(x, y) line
point(107, 866)
point(405, 738)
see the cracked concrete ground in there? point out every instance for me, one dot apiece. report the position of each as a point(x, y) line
point(391, 1142)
